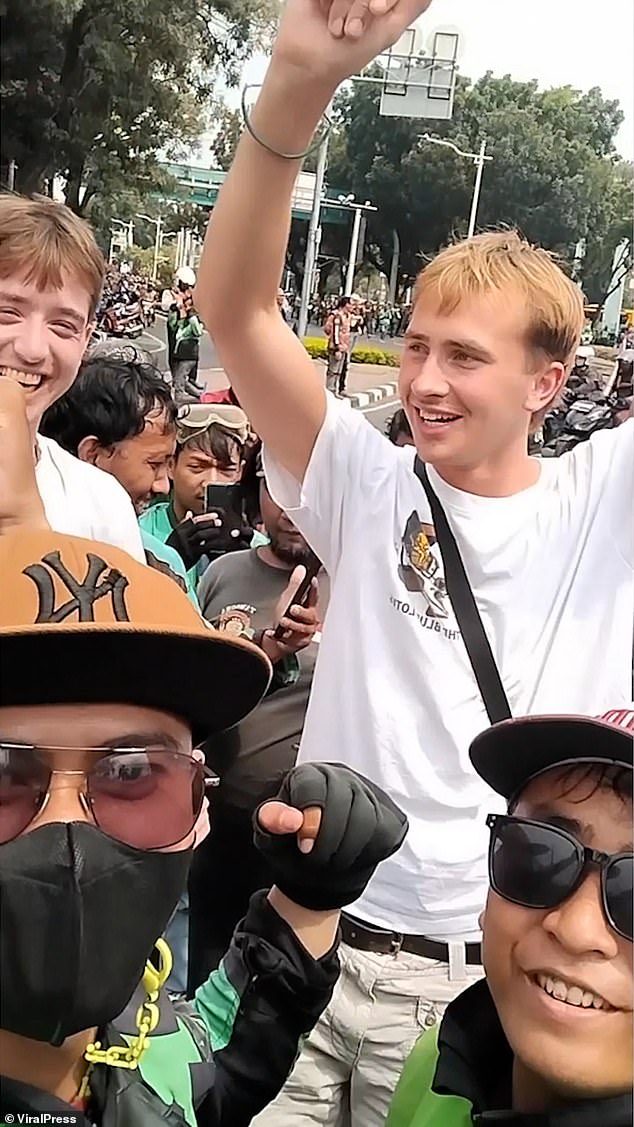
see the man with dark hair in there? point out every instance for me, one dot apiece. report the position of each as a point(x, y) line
point(120, 416)
point(243, 594)
point(546, 1039)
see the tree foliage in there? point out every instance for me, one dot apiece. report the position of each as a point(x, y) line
point(227, 125)
point(93, 90)
point(555, 174)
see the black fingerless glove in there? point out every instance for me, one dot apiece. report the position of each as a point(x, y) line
point(193, 539)
point(360, 827)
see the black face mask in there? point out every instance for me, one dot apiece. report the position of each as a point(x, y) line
point(80, 913)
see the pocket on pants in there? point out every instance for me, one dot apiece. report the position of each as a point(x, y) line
point(428, 1014)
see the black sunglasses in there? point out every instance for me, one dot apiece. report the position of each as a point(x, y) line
point(538, 865)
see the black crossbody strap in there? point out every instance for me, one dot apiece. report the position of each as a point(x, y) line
point(465, 609)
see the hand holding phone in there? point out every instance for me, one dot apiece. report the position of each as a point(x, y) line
point(301, 597)
point(227, 499)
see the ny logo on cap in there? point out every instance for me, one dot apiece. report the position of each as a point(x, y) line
point(84, 592)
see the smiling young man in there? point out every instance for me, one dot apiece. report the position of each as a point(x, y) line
point(546, 547)
point(51, 276)
point(546, 1040)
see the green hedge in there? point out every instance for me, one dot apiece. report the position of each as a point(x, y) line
point(317, 347)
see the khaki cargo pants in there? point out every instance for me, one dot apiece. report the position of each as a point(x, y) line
point(350, 1064)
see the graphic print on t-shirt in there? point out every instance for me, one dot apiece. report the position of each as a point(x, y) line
point(421, 568)
point(235, 619)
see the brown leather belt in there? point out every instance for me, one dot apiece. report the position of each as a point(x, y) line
point(366, 938)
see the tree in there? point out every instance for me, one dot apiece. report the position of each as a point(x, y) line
point(227, 124)
point(93, 90)
point(609, 226)
point(553, 175)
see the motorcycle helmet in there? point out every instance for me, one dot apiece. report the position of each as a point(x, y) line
point(584, 354)
point(186, 276)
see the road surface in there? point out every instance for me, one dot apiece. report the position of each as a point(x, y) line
point(154, 341)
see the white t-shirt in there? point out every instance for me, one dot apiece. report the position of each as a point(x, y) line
point(394, 695)
point(82, 500)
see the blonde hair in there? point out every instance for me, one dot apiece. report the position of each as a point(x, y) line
point(44, 240)
point(503, 262)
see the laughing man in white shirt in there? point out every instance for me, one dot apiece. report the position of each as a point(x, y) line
point(51, 276)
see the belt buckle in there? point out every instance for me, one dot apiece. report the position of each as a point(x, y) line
point(396, 943)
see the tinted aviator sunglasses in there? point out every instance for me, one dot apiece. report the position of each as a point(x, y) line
point(146, 797)
point(538, 865)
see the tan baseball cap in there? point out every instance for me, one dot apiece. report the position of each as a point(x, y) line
point(82, 622)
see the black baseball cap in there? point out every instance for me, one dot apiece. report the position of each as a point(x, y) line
point(508, 755)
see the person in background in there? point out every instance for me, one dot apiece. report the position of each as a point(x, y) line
point(385, 322)
point(119, 415)
point(184, 330)
point(244, 594)
point(284, 306)
point(338, 329)
point(51, 278)
point(210, 450)
point(399, 431)
point(171, 300)
point(224, 395)
point(546, 1039)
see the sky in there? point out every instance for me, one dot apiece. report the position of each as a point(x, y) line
point(578, 43)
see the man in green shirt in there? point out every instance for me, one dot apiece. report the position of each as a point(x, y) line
point(184, 330)
point(546, 1039)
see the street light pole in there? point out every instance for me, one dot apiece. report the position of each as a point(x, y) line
point(313, 239)
point(354, 247)
point(479, 159)
point(157, 247)
point(476, 188)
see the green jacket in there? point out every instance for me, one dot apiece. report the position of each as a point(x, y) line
point(216, 1061)
point(415, 1103)
point(167, 560)
point(160, 521)
point(186, 332)
point(460, 1075)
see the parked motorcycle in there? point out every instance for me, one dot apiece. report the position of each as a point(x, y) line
point(121, 320)
point(148, 310)
point(572, 423)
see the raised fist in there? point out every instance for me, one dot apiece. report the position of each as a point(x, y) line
point(333, 39)
point(351, 823)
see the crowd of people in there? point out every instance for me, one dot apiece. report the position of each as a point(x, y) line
point(316, 743)
point(374, 318)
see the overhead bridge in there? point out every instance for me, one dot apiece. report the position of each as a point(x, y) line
point(200, 186)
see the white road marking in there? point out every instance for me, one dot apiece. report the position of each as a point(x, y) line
point(160, 343)
point(380, 406)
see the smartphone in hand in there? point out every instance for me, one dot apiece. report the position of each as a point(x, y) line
point(313, 566)
point(226, 499)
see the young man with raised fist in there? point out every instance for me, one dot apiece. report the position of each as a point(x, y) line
point(546, 548)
